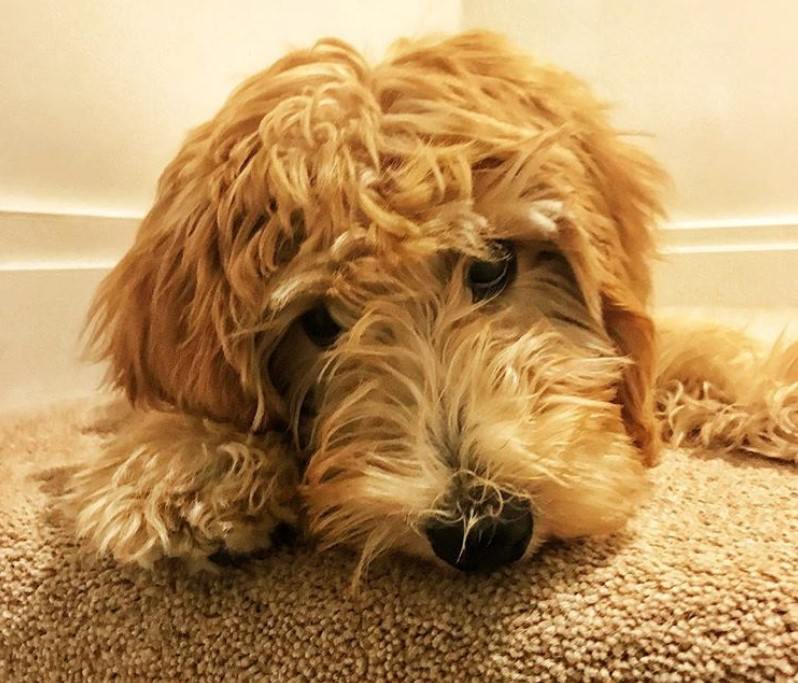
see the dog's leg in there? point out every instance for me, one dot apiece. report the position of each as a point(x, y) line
point(718, 389)
point(172, 485)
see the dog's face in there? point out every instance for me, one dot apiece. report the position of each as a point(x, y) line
point(465, 394)
point(431, 274)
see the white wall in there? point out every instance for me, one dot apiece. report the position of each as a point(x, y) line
point(95, 98)
point(714, 81)
point(714, 84)
point(97, 94)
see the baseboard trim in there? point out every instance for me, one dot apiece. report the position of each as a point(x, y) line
point(93, 241)
point(776, 234)
point(56, 266)
point(57, 242)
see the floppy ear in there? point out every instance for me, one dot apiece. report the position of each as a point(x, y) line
point(632, 183)
point(187, 318)
point(613, 301)
point(611, 241)
point(633, 332)
point(174, 319)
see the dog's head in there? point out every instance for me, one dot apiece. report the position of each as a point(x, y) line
point(430, 273)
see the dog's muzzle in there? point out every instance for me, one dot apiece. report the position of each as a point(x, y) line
point(490, 542)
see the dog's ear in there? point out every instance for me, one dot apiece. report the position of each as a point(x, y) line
point(187, 318)
point(632, 330)
point(610, 242)
point(176, 318)
point(622, 312)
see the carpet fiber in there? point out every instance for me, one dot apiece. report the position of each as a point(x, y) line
point(702, 587)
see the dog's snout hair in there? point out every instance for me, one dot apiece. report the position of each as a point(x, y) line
point(368, 297)
point(423, 390)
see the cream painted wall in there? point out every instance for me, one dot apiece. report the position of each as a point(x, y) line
point(714, 81)
point(95, 98)
point(97, 94)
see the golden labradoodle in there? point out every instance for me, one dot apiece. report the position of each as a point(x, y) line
point(404, 307)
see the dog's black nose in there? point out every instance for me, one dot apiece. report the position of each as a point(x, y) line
point(490, 542)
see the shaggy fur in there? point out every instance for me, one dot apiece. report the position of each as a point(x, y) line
point(372, 189)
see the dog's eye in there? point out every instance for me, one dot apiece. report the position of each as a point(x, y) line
point(320, 326)
point(489, 278)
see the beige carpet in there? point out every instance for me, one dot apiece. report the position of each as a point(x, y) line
point(703, 587)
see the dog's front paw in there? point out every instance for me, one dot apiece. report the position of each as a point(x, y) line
point(283, 534)
point(172, 485)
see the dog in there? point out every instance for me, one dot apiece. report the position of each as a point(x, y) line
point(404, 307)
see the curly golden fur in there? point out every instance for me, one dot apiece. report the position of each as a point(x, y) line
point(372, 190)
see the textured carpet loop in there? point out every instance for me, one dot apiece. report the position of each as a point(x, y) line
point(702, 586)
